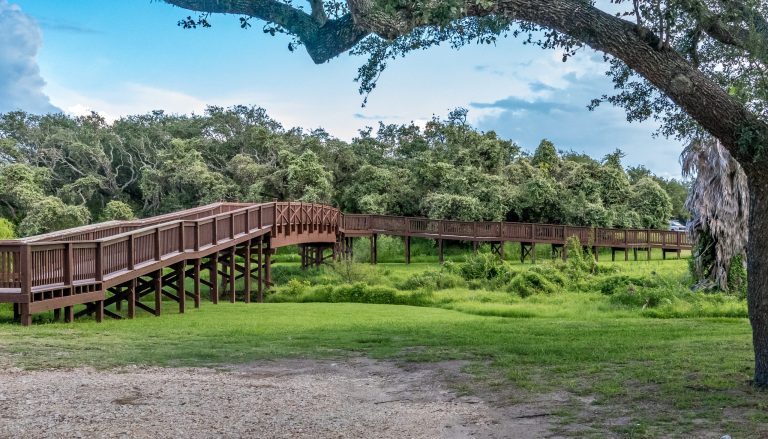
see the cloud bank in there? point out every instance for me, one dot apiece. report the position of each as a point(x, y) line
point(21, 86)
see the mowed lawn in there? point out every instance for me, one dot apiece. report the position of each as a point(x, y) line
point(663, 377)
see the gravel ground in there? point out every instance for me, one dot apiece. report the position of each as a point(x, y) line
point(357, 398)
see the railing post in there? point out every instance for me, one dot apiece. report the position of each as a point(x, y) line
point(197, 236)
point(247, 221)
point(231, 226)
point(261, 219)
point(99, 261)
point(68, 264)
point(182, 244)
point(215, 226)
point(130, 245)
point(25, 268)
point(157, 244)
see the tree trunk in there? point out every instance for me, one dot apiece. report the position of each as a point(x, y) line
point(757, 272)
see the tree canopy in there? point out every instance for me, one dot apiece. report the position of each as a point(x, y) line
point(59, 171)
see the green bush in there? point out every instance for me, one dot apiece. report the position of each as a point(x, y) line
point(644, 297)
point(737, 277)
point(117, 210)
point(620, 283)
point(351, 272)
point(431, 280)
point(483, 266)
point(551, 273)
point(290, 292)
point(7, 230)
point(528, 283)
point(356, 293)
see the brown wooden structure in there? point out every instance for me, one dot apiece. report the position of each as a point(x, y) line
point(130, 261)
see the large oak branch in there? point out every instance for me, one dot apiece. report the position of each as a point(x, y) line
point(323, 39)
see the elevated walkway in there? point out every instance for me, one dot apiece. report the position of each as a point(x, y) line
point(216, 245)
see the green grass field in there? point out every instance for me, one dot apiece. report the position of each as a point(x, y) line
point(678, 366)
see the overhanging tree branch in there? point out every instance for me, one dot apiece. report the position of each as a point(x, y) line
point(743, 28)
point(323, 38)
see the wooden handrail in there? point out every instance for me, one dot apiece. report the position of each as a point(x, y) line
point(76, 260)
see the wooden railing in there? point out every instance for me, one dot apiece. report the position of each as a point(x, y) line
point(507, 231)
point(102, 252)
point(27, 265)
point(111, 228)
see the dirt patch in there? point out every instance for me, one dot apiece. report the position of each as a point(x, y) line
point(274, 399)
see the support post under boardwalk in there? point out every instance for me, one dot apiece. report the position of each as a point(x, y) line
point(99, 311)
point(132, 298)
point(260, 272)
point(374, 256)
point(232, 274)
point(24, 315)
point(157, 280)
point(247, 272)
point(69, 314)
point(196, 278)
point(440, 256)
point(407, 249)
point(213, 277)
point(181, 288)
point(268, 262)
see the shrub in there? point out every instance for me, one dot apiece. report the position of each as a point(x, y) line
point(551, 273)
point(117, 210)
point(290, 292)
point(295, 287)
point(529, 283)
point(380, 294)
point(737, 277)
point(580, 262)
point(644, 297)
point(7, 230)
point(620, 283)
point(319, 293)
point(431, 280)
point(483, 266)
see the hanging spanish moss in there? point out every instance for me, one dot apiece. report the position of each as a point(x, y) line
point(719, 202)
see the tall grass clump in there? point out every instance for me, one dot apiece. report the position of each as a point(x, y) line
point(531, 282)
point(431, 280)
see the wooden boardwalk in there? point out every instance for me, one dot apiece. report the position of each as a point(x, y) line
point(124, 262)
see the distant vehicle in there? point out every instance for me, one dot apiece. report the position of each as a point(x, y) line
point(676, 226)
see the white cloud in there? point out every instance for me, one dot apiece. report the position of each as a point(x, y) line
point(125, 99)
point(21, 85)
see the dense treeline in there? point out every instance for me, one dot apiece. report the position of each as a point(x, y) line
point(58, 171)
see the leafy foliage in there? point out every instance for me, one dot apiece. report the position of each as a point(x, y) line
point(7, 230)
point(117, 210)
point(155, 163)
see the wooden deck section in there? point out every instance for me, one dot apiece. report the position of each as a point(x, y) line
point(216, 245)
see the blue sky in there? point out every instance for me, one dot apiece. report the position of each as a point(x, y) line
point(127, 57)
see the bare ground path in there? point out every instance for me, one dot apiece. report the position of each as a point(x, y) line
point(270, 399)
